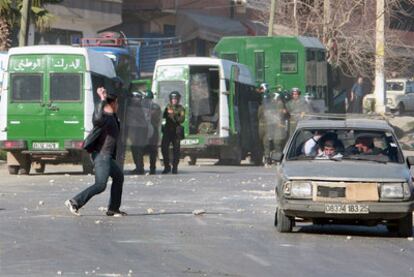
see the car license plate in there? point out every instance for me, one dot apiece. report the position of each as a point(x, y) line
point(45, 145)
point(346, 209)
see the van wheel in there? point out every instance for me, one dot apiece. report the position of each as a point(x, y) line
point(192, 161)
point(13, 169)
point(283, 223)
point(401, 109)
point(25, 170)
point(40, 167)
point(87, 166)
point(405, 226)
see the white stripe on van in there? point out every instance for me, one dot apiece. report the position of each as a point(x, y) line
point(14, 122)
point(71, 122)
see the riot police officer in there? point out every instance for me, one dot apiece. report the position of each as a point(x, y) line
point(153, 135)
point(137, 129)
point(173, 132)
point(297, 107)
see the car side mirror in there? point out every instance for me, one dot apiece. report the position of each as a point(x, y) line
point(410, 160)
point(277, 157)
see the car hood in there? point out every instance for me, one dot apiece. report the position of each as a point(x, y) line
point(365, 171)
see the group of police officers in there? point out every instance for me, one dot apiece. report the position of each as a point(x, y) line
point(278, 115)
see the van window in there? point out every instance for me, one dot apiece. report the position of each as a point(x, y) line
point(259, 66)
point(166, 87)
point(231, 57)
point(289, 62)
point(26, 87)
point(65, 86)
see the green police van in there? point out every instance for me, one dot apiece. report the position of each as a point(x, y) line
point(283, 62)
point(221, 107)
point(47, 101)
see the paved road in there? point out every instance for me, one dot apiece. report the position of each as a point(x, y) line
point(161, 236)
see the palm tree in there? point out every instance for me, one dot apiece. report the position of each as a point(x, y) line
point(10, 17)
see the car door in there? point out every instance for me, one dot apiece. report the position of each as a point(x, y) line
point(26, 103)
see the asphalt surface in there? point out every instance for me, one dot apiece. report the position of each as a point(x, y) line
point(162, 237)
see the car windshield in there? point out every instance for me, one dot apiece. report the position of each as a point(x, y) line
point(397, 86)
point(344, 144)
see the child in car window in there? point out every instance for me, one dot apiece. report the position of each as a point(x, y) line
point(329, 151)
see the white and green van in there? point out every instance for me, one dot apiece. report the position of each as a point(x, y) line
point(48, 97)
point(221, 107)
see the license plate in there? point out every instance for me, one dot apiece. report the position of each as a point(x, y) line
point(45, 145)
point(346, 209)
point(189, 141)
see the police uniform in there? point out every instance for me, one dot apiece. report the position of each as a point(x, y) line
point(296, 109)
point(170, 134)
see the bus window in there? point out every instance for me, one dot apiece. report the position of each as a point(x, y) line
point(289, 62)
point(65, 86)
point(259, 66)
point(231, 57)
point(321, 56)
point(26, 87)
point(310, 55)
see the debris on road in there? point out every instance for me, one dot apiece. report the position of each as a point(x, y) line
point(199, 212)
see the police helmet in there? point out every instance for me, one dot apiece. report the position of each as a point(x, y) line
point(175, 95)
point(149, 95)
point(264, 86)
point(295, 90)
point(137, 95)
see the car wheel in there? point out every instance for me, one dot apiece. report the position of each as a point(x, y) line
point(401, 109)
point(13, 169)
point(405, 226)
point(192, 161)
point(276, 217)
point(284, 223)
point(87, 165)
point(40, 168)
point(25, 170)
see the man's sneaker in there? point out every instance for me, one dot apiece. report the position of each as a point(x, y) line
point(166, 170)
point(174, 170)
point(72, 207)
point(117, 213)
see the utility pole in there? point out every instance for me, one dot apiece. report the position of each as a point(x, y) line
point(295, 8)
point(379, 58)
point(326, 19)
point(24, 22)
point(271, 18)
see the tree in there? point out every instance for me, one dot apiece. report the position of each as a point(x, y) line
point(10, 17)
point(347, 29)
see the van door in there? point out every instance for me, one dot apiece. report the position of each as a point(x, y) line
point(65, 105)
point(234, 105)
point(26, 105)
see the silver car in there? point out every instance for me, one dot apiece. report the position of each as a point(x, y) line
point(349, 171)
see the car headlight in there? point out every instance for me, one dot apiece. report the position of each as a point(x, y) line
point(296, 189)
point(392, 190)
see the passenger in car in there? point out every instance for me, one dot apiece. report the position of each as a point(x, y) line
point(363, 146)
point(329, 150)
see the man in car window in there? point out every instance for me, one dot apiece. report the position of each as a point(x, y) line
point(363, 146)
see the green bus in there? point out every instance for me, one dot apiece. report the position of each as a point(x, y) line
point(221, 107)
point(48, 98)
point(283, 62)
